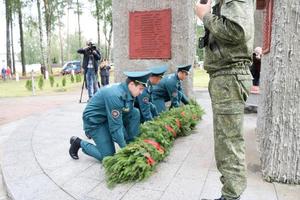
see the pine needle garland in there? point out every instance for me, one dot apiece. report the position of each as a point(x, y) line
point(138, 159)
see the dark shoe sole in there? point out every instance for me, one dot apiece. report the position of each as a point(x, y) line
point(75, 157)
point(71, 153)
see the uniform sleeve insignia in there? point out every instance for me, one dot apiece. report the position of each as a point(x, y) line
point(174, 94)
point(115, 113)
point(146, 100)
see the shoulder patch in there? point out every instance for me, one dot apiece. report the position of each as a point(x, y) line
point(146, 100)
point(115, 113)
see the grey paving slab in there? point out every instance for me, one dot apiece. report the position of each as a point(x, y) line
point(253, 100)
point(20, 171)
point(95, 172)
point(161, 178)
point(23, 176)
point(68, 171)
point(287, 192)
point(259, 193)
point(79, 186)
point(102, 192)
point(34, 187)
point(36, 163)
point(183, 188)
point(3, 193)
point(7, 129)
point(212, 186)
point(179, 152)
point(138, 193)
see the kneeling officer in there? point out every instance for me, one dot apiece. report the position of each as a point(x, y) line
point(144, 101)
point(170, 89)
point(110, 117)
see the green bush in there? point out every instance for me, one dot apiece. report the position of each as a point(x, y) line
point(72, 79)
point(57, 84)
point(41, 82)
point(78, 78)
point(64, 81)
point(28, 85)
point(51, 79)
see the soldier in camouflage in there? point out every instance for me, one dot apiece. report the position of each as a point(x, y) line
point(228, 46)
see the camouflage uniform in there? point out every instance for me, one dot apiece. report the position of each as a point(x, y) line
point(228, 52)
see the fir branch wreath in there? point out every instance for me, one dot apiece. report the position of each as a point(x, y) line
point(138, 159)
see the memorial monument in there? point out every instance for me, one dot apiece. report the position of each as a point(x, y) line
point(152, 33)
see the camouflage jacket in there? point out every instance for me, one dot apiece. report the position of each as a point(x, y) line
point(231, 33)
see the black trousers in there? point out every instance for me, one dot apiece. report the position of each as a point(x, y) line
point(104, 80)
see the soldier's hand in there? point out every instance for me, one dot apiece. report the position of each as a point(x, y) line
point(202, 9)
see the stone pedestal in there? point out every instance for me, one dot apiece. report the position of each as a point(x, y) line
point(183, 40)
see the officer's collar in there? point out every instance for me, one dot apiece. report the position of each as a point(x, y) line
point(149, 84)
point(126, 95)
point(176, 75)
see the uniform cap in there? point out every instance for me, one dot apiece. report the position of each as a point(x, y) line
point(159, 70)
point(185, 68)
point(140, 77)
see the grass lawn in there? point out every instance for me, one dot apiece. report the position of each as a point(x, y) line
point(11, 88)
point(201, 78)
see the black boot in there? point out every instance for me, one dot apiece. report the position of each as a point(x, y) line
point(221, 198)
point(88, 136)
point(74, 148)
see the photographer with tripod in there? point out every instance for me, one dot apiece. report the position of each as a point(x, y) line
point(91, 56)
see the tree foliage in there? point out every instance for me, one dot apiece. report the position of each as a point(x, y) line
point(31, 44)
point(199, 33)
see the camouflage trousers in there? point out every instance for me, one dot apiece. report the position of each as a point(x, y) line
point(228, 95)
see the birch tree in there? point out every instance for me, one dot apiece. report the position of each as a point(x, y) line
point(78, 12)
point(13, 69)
point(38, 3)
point(8, 19)
point(51, 13)
point(19, 10)
point(108, 25)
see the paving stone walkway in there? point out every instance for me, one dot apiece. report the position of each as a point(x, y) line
point(36, 165)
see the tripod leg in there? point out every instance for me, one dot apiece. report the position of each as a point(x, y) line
point(82, 89)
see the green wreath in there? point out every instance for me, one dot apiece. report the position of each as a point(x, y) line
point(138, 159)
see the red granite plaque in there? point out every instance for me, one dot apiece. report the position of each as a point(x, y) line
point(267, 27)
point(150, 34)
point(261, 4)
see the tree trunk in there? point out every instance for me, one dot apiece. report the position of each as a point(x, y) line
point(41, 32)
point(109, 43)
point(98, 21)
point(8, 19)
point(78, 21)
point(48, 34)
point(61, 42)
point(106, 39)
point(21, 38)
point(68, 32)
point(13, 69)
point(279, 111)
